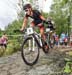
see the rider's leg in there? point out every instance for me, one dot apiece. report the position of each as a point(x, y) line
point(42, 29)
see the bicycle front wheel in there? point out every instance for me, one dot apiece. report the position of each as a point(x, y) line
point(30, 51)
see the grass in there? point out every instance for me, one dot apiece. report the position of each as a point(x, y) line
point(12, 47)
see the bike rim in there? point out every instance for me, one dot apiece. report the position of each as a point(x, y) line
point(30, 51)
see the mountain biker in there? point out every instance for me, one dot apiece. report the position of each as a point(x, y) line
point(37, 19)
point(36, 16)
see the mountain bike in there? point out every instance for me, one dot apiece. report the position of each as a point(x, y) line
point(31, 45)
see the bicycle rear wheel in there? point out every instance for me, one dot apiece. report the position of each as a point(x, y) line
point(52, 42)
point(30, 51)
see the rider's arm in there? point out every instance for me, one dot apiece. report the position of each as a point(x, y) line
point(44, 20)
point(42, 17)
point(24, 23)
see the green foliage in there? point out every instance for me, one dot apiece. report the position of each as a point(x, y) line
point(2, 50)
point(60, 10)
point(68, 68)
point(13, 44)
point(46, 15)
point(14, 26)
point(12, 47)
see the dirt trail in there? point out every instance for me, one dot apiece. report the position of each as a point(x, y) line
point(50, 64)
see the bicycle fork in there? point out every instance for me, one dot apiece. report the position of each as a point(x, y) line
point(35, 40)
point(33, 45)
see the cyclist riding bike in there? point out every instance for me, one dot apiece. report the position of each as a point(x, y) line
point(37, 17)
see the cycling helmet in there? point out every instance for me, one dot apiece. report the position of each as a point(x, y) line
point(27, 6)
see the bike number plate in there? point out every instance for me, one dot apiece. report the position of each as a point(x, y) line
point(47, 29)
point(29, 31)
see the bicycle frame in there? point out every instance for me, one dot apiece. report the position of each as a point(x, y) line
point(31, 33)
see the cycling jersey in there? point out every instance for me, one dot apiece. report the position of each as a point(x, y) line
point(36, 17)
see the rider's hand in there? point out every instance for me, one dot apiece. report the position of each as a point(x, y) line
point(45, 21)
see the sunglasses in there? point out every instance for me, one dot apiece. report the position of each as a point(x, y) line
point(26, 10)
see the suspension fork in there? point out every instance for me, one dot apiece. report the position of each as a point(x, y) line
point(36, 40)
point(33, 44)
